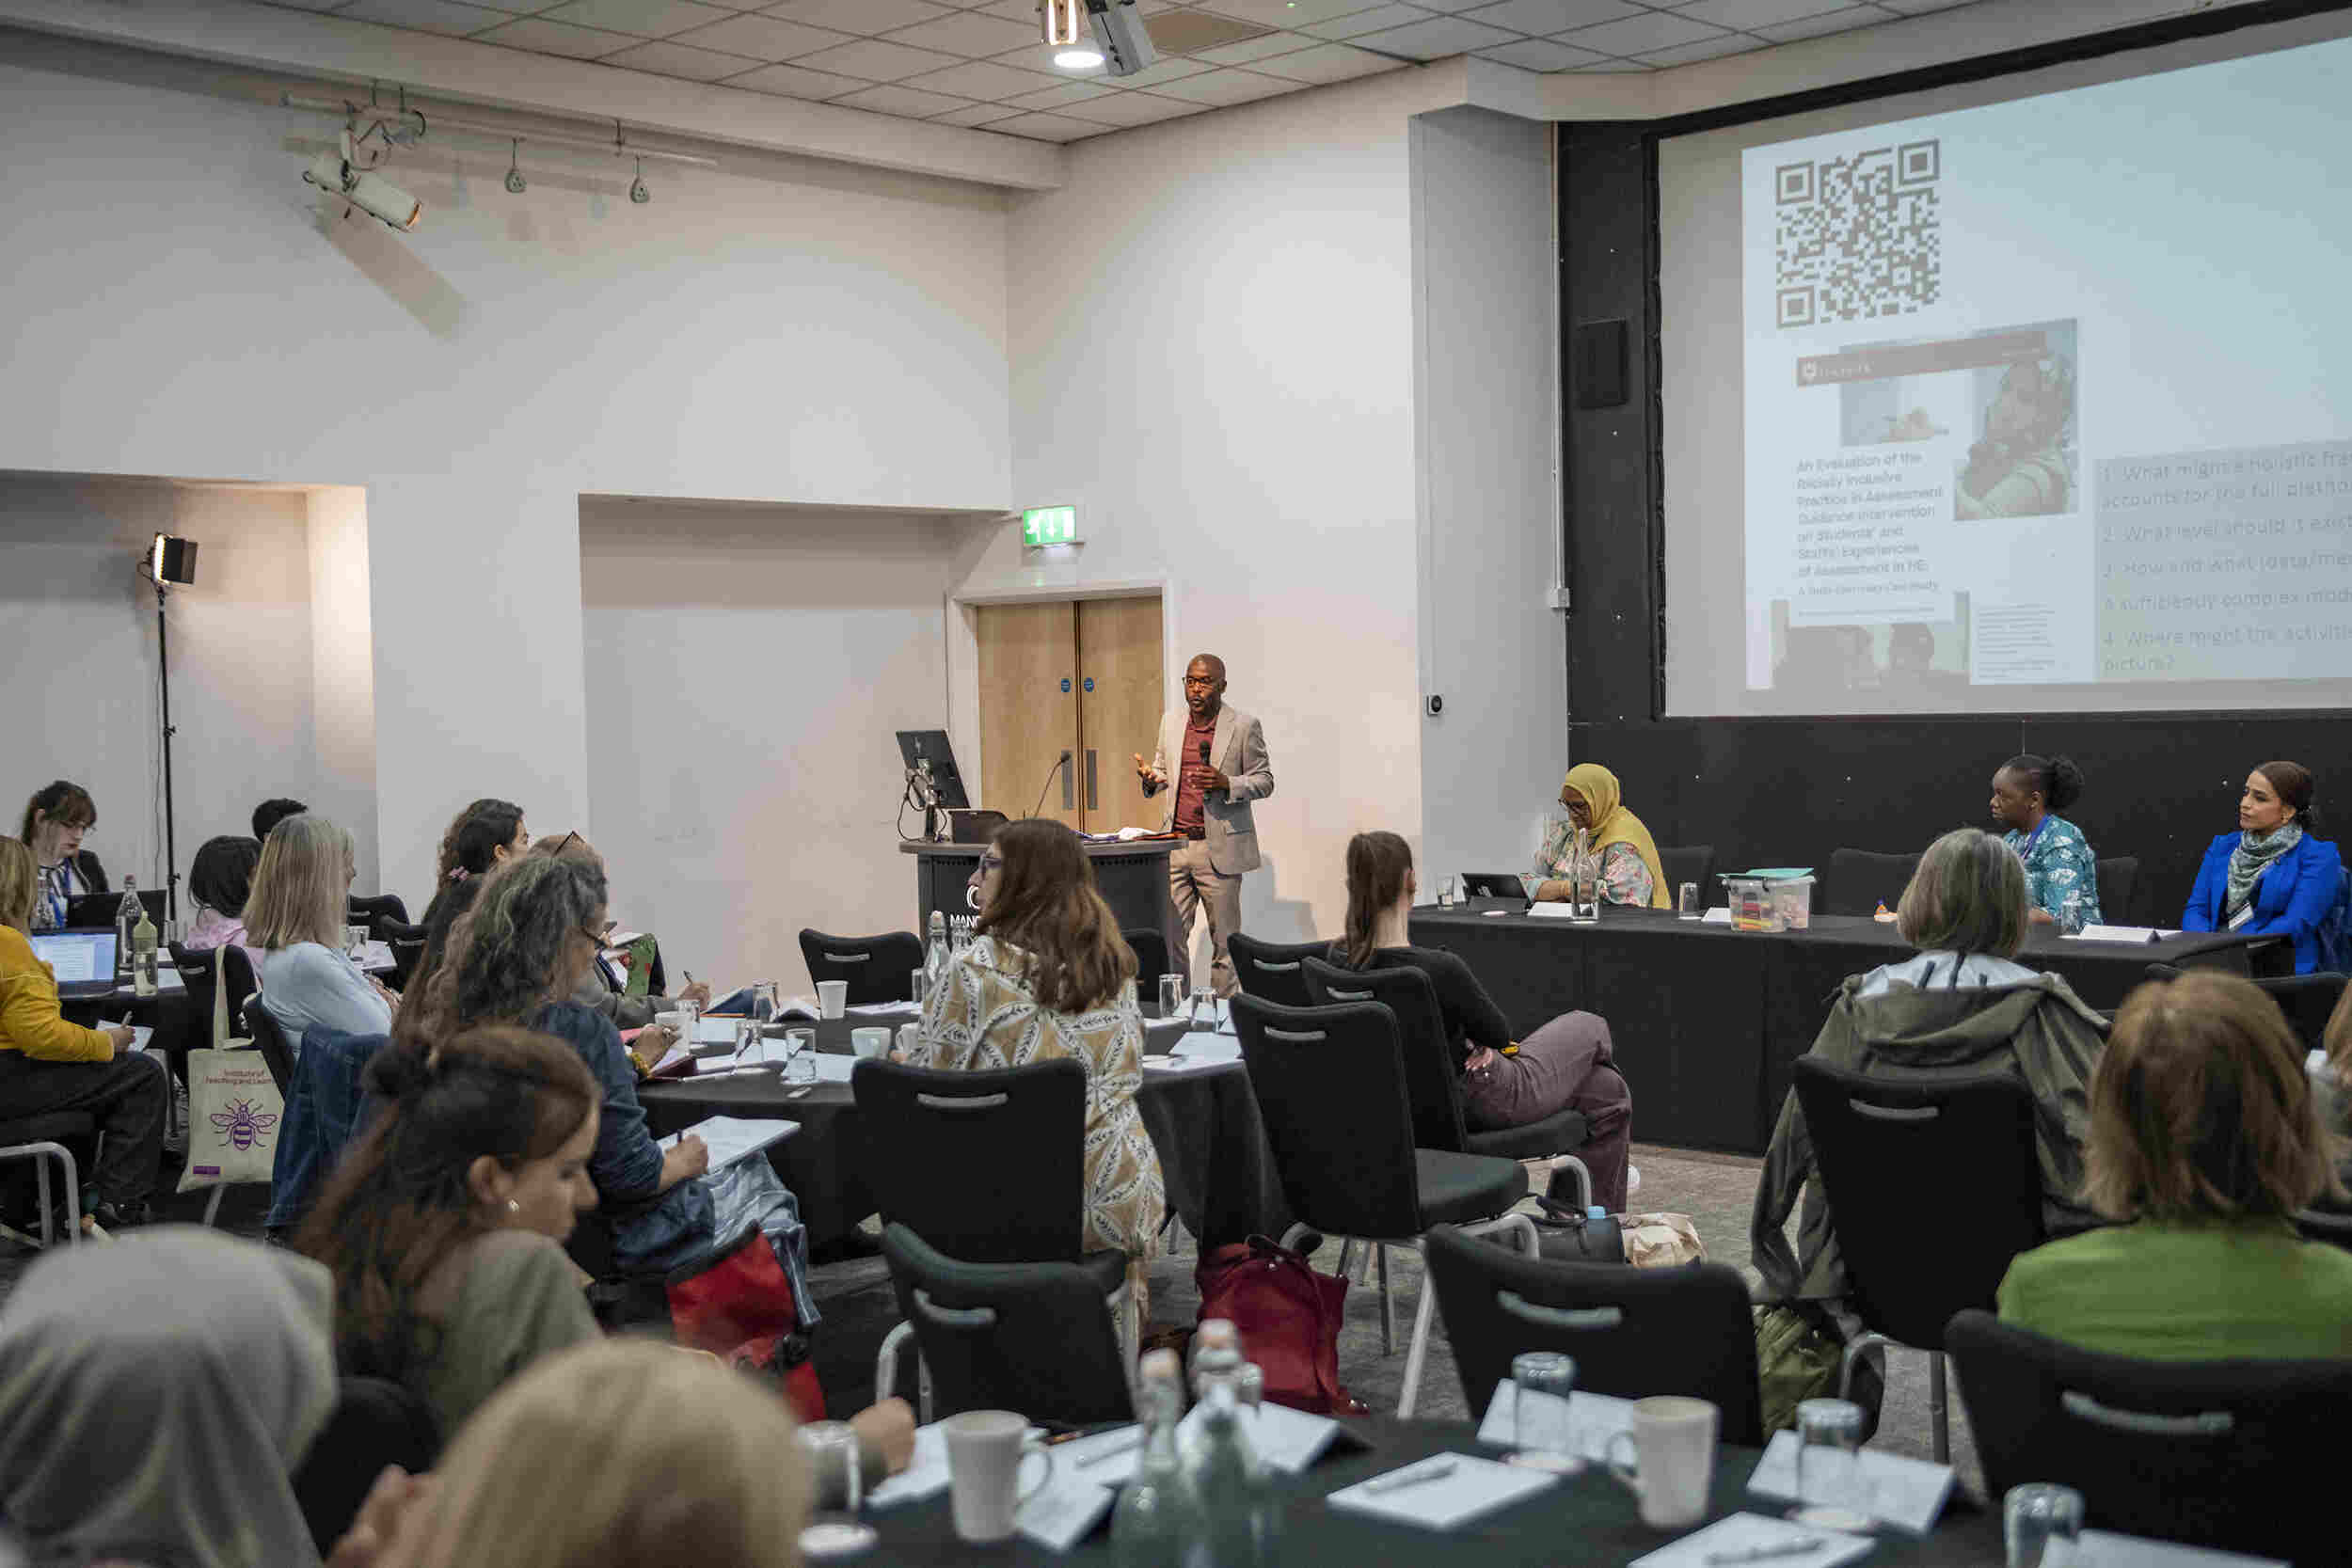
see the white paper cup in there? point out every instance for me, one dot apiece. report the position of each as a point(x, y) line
point(873, 1040)
point(832, 996)
point(675, 1024)
point(984, 1452)
point(1674, 1444)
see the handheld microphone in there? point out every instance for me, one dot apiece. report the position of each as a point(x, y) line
point(1060, 762)
point(1204, 756)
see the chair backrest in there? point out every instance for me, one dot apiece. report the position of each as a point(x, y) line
point(1920, 1247)
point(1269, 969)
point(878, 968)
point(2119, 889)
point(2238, 1454)
point(1151, 951)
point(271, 1042)
point(1688, 863)
point(1036, 1337)
point(2309, 1001)
point(1633, 1332)
point(1430, 1081)
point(1330, 1082)
point(2332, 1226)
point(407, 944)
point(375, 1423)
point(373, 911)
point(1860, 880)
point(200, 977)
point(989, 1166)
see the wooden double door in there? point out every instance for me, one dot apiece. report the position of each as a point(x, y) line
point(1070, 690)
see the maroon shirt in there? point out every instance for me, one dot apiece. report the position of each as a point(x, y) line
point(1190, 819)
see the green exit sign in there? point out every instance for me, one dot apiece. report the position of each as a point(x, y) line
point(1049, 525)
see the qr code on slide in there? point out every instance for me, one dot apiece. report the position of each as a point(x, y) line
point(1856, 238)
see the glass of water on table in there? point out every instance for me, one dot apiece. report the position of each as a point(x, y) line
point(800, 1057)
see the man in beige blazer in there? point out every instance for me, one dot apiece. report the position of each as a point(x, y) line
point(1217, 754)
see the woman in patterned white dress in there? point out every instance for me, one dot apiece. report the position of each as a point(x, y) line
point(1047, 974)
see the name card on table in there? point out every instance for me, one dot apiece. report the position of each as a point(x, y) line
point(925, 1475)
point(1285, 1439)
point(2101, 1549)
point(1593, 1419)
point(1907, 1493)
point(887, 1009)
point(2134, 934)
point(1443, 1491)
point(1754, 1538)
point(1064, 1512)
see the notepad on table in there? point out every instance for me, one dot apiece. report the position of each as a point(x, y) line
point(732, 1138)
point(1443, 1491)
point(1735, 1538)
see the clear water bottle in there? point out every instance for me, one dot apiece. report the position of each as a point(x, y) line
point(1235, 1524)
point(1583, 880)
point(935, 954)
point(127, 915)
point(143, 981)
point(1159, 1512)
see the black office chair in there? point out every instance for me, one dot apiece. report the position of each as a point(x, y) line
point(1633, 1332)
point(1860, 880)
point(1026, 1336)
point(407, 944)
point(1026, 1128)
point(878, 968)
point(2243, 1455)
point(375, 1422)
point(1692, 862)
point(2330, 1225)
point(65, 1141)
point(1968, 1200)
point(2309, 1001)
point(271, 1042)
point(1329, 1084)
point(2119, 889)
point(1269, 969)
point(1151, 951)
point(373, 913)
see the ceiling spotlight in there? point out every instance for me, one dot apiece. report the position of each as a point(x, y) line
point(334, 173)
point(637, 192)
point(1061, 19)
point(515, 181)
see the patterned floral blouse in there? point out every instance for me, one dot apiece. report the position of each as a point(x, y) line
point(2059, 863)
point(1623, 879)
point(986, 1017)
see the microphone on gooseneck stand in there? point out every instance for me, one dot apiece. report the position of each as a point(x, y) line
point(1060, 762)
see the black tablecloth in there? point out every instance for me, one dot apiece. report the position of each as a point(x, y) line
point(1587, 1519)
point(1204, 1121)
point(1706, 1019)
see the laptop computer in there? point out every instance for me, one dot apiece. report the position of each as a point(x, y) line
point(89, 911)
point(1493, 884)
point(83, 960)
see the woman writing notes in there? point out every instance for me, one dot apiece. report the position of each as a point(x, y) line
point(2272, 878)
point(1630, 870)
point(2061, 875)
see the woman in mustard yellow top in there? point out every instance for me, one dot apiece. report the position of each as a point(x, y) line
point(47, 1063)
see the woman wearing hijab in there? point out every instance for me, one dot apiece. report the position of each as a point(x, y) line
point(156, 1394)
point(1629, 869)
point(2271, 877)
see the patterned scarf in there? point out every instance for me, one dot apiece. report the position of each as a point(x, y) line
point(2253, 857)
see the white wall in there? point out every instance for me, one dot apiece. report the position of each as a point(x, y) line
point(746, 668)
point(77, 637)
point(1486, 323)
point(775, 330)
point(342, 672)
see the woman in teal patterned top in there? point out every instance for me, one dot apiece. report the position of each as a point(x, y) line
point(2061, 874)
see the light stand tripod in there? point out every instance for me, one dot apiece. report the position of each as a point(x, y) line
point(149, 565)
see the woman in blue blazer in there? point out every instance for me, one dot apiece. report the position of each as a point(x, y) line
point(2271, 877)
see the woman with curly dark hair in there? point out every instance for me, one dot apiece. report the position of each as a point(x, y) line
point(481, 838)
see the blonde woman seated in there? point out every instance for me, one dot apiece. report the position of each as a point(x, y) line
point(1628, 871)
point(1957, 1008)
point(1047, 974)
point(301, 893)
point(2205, 1140)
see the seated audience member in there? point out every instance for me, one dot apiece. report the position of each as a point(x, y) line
point(56, 819)
point(448, 907)
point(155, 1393)
point(2331, 1081)
point(444, 1223)
point(614, 1455)
point(221, 881)
point(481, 838)
point(1958, 1007)
point(1628, 871)
point(301, 891)
point(47, 1063)
point(2061, 872)
point(1046, 975)
point(2271, 877)
point(271, 813)
point(1565, 1064)
point(599, 989)
point(2204, 1141)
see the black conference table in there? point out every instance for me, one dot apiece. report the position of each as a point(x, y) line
point(1203, 1121)
point(1706, 1019)
point(1588, 1518)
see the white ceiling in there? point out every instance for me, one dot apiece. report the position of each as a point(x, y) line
point(980, 63)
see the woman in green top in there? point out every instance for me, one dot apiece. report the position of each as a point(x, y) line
point(2205, 1139)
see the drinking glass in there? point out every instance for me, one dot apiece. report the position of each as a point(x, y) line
point(1445, 893)
point(689, 1013)
point(1171, 994)
point(918, 987)
point(747, 1038)
point(833, 1528)
point(799, 1059)
point(1832, 1491)
point(1687, 902)
point(355, 940)
point(2038, 1523)
point(1203, 1006)
point(1543, 1420)
point(763, 1001)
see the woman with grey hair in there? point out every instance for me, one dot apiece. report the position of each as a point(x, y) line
point(1959, 1005)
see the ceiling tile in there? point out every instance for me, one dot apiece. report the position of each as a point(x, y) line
point(1913, 7)
point(1060, 97)
point(1047, 127)
point(426, 16)
point(1253, 49)
point(307, 5)
point(1040, 57)
point(1227, 87)
point(1451, 4)
point(1705, 49)
point(1283, 13)
point(1367, 21)
point(764, 38)
point(678, 60)
point(1540, 55)
point(1754, 13)
point(1169, 68)
point(1024, 12)
point(981, 79)
point(1132, 108)
point(791, 81)
point(970, 34)
point(1639, 35)
point(864, 18)
point(1435, 38)
point(974, 114)
point(1328, 62)
point(1552, 16)
point(645, 18)
point(875, 60)
point(1607, 68)
point(906, 102)
point(1838, 21)
point(554, 37)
